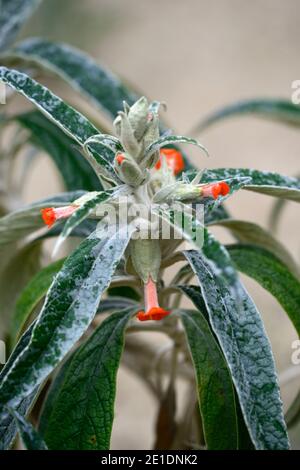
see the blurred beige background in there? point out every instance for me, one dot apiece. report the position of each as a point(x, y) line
point(196, 56)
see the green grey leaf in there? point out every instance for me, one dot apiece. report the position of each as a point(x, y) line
point(70, 306)
point(194, 294)
point(218, 213)
point(170, 139)
point(108, 141)
point(30, 437)
point(70, 121)
point(8, 429)
point(55, 109)
point(244, 440)
point(13, 13)
point(250, 233)
point(101, 158)
point(240, 332)
point(31, 295)
point(82, 72)
point(265, 182)
point(271, 273)
point(283, 111)
point(214, 385)
point(82, 409)
point(76, 172)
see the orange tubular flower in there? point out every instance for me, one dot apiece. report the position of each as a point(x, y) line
point(119, 158)
point(215, 189)
point(153, 310)
point(173, 158)
point(51, 214)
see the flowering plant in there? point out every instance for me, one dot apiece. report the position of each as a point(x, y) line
point(67, 327)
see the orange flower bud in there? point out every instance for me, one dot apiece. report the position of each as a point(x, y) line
point(173, 158)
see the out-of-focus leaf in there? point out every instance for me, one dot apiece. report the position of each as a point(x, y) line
point(23, 264)
point(166, 423)
point(13, 14)
point(115, 303)
point(272, 274)
point(82, 72)
point(30, 437)
point(76, 172)
point(82, 408)
point(102, 88)
point(280, 110)
point(33, 293)
point(250, 233)
point(276, 213)
point(214, 384)
point(240, 332)
point(124, 291)
point(292, 416)
point(70, 306)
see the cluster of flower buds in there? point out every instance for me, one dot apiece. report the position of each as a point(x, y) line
point(136, 127)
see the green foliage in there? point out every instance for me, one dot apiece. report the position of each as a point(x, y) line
point(74, 170)
point(278, 110)
point(31, 295)
point(238, 327)
point(13, 14)
point(272, 274)
point(68, 344)
point(214, 385)
point(84, 401)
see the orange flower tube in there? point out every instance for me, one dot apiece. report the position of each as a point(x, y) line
point(51, 214)
point(173, 158)
point(153, 310)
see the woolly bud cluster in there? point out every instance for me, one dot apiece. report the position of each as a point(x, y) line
point(136, 127)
